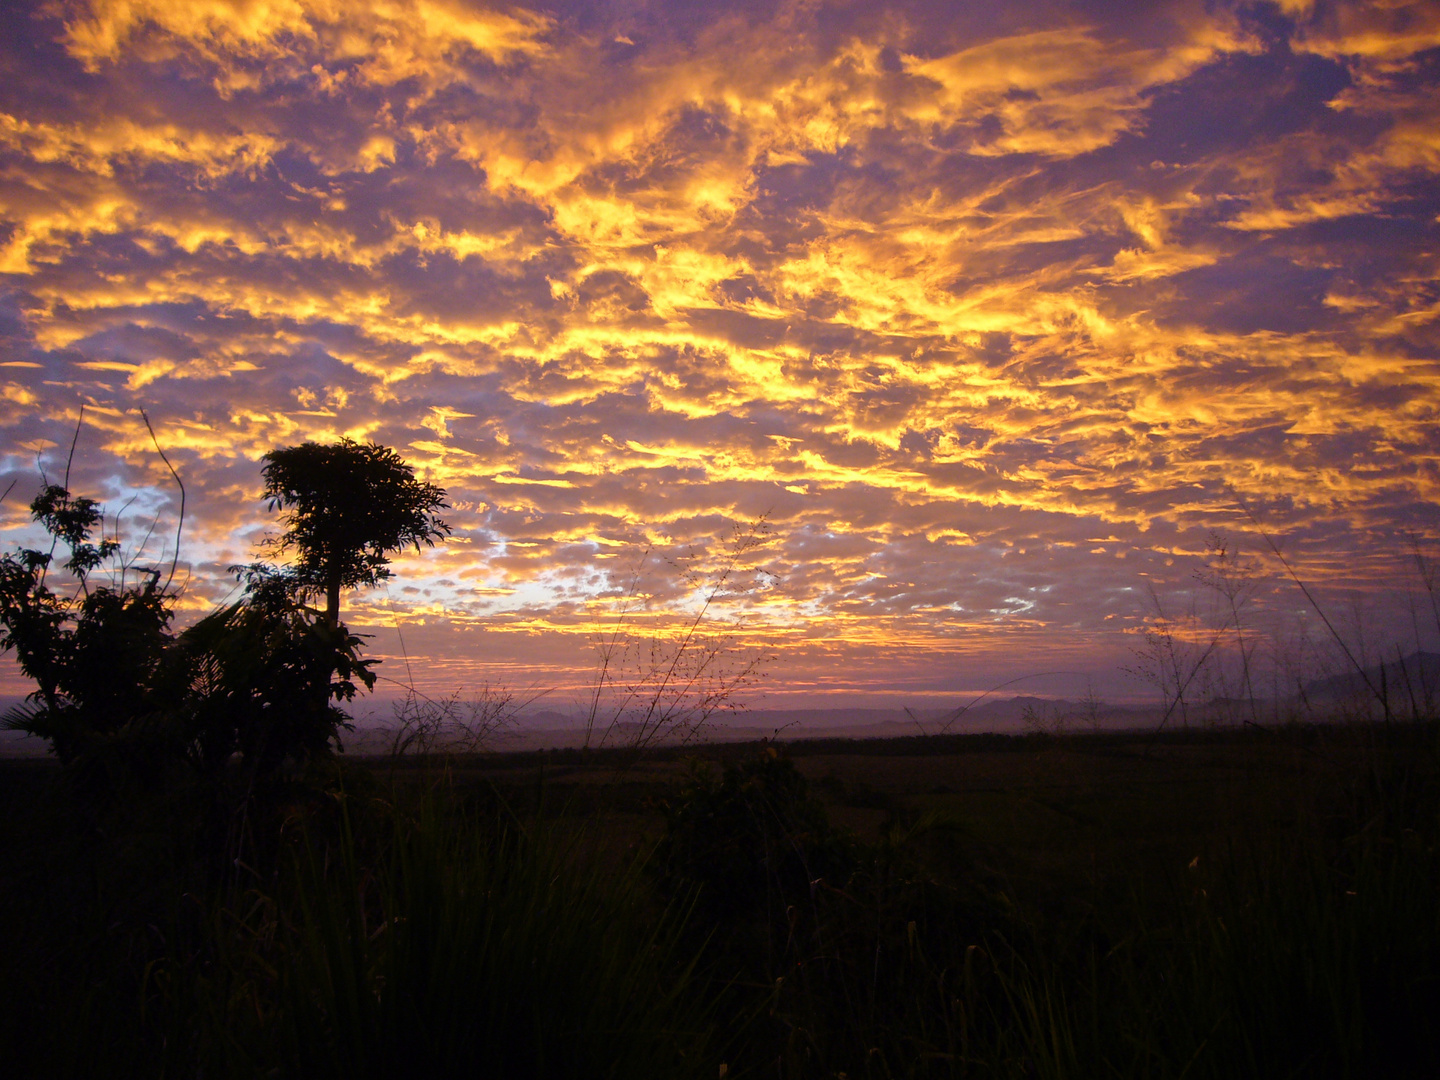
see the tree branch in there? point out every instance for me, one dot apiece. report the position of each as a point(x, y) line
point(180, 526)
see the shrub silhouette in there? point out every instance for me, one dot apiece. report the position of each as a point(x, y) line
point(753, 839)
point(93, 654)
point(257, 679)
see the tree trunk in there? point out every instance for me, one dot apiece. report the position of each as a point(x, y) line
point(321, 703)
point(332, 601)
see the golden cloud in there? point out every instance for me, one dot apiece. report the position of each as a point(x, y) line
point(945, 300)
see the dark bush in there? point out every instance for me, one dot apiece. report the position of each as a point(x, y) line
point(754, 839)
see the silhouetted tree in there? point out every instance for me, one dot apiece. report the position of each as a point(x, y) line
point(350, 507)
point(116, 690)
point(256, 680)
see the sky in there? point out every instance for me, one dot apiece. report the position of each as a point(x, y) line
point(934, 345)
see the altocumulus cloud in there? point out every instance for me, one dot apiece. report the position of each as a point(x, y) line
point(995, 312)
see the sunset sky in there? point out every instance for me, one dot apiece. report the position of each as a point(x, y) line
point(993, 312)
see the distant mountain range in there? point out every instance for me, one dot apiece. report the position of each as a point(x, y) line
point(1418, 673)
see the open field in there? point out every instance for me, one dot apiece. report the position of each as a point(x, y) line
point(1034, 791)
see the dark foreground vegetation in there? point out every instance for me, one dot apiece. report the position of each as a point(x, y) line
point(197, 885)
point(1242, 903)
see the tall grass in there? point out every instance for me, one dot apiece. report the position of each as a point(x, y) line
point(1309, 949)
point(383, 937)
point(1276, 962)
point(467, 951)
point(1305, 943)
